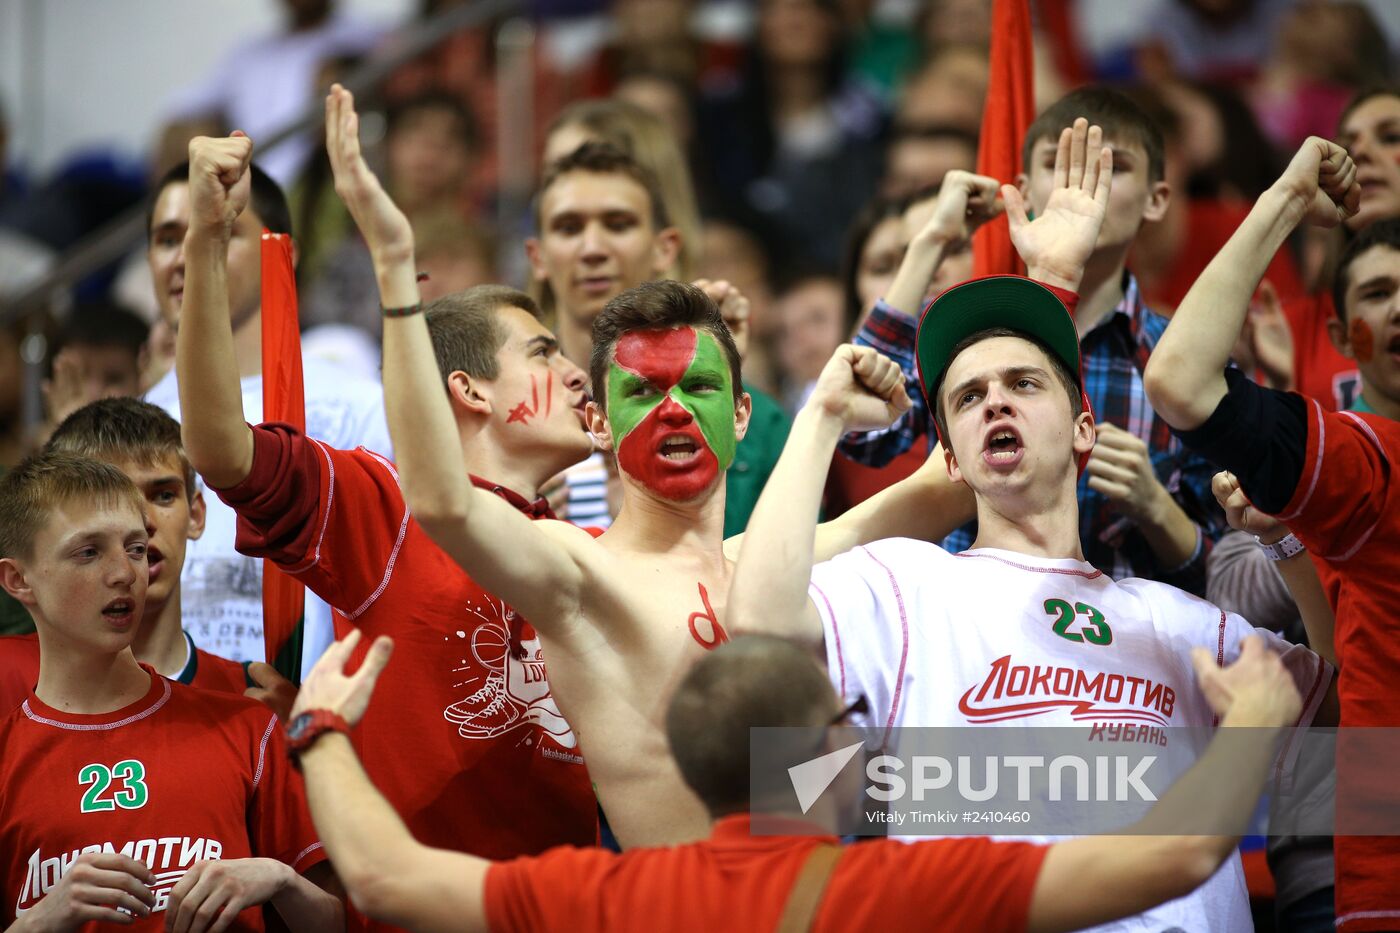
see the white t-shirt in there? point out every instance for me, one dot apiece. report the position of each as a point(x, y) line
point(220, 589)
point(1000, 638)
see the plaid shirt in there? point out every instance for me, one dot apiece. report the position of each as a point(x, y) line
point(1115, 353)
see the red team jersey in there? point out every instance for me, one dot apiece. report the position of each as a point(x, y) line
point(1346, 509)
point(19, 670)
point(463, 736)
point(740, 882)
point(1319, 371)
point(178, 776)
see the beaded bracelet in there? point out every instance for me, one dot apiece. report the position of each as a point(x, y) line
point(402, 312)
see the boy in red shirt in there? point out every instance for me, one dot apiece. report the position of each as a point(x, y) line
point(469, 743)
point(125, 795)
point(1328, 476)
point(740, 880)
point(143, 442)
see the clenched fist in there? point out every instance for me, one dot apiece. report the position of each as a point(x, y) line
point(1321, 178)
point(862, 388)
point(219, 181)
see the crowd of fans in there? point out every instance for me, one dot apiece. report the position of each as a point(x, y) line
point(719, 360)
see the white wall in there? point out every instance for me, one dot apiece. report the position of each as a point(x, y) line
point(81, 73)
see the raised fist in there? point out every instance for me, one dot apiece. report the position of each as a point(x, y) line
point(1241, 514)
point(219, 181)
point(733, 307)
point(965, 202)
point(862, 388)
point(1322, 178)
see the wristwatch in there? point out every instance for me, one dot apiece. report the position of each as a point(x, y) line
point(1282, 549)
point(307, 727)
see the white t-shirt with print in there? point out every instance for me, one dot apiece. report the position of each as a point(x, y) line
point(938, 639)
point(220, 589)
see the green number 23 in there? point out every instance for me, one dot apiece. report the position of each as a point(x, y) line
point(1095, 629)
point(131, 794)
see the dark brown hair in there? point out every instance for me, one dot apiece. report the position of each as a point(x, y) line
point(752, 681)
point(602, 158)
point(1120, 118)
point(656, 306)
point(466, 332)
point(1380, 233)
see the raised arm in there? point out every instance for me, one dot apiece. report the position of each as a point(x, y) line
point(1057, 243)
point(216, 436)
point(858, 388)
point(965, 202)
point(1095, 879)
point(1185, 378)
point(537, 574)
point(927, 506)
point(388, 874)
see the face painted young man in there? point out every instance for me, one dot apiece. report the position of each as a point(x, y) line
point(1368, 329)
point(672, 410)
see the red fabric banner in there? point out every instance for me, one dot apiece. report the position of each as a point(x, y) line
point(1009, 112)
point(284, 399)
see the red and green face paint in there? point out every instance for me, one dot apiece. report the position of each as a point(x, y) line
point(671, 405)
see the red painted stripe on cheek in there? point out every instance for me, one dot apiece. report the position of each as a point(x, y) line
point(659, 356)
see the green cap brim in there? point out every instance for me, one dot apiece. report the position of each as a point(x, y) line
point(1011, 301)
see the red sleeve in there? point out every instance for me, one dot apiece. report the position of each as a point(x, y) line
point(967, 883)
point(215, 673)
point(1071, 299)
point(334, 519)
point(1345, 491)
point(279, 822)
point(549, 892)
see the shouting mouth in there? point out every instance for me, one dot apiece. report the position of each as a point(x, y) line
point(679, 449)
point(1003, 448)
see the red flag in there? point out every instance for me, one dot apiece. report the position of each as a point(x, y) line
point(1008, 114)
point(284, 399)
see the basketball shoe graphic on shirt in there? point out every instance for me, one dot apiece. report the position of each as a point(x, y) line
point(515, 692)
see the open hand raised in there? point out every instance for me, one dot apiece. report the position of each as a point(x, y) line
point(1056, 245)
point(386, 230)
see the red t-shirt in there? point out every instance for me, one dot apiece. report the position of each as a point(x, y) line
point(736, 881)
point(1319, 371)
point(1209, 225)
point(1346, 509)
point(19, 670)
point(178, 776)
point(850, 483)
point(463, 736)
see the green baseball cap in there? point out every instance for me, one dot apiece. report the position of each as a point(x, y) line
point(1011, 301)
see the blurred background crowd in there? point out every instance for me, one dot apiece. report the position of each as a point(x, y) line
point(788, 136)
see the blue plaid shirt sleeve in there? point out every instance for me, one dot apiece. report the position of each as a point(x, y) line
point(892, 333)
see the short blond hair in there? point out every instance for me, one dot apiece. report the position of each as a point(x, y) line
point(45, 481)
